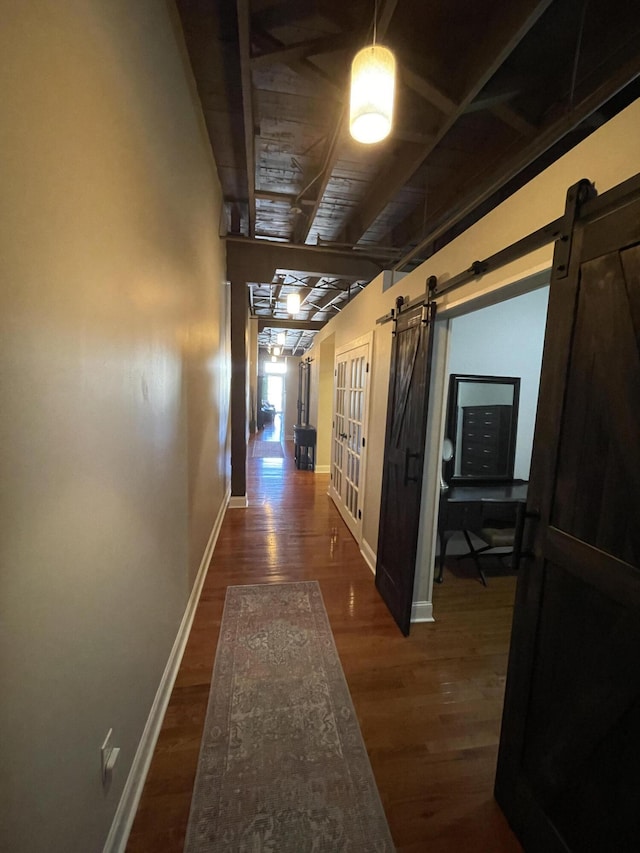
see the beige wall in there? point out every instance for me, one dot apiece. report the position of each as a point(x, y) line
point(114, 377)
point(608, 156)
point(322, 402)
point(253, 374)
point(356, 319)
point(291, 397)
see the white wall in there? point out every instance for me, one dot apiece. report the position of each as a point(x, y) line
point(610, 155)
point(506, 340)
point(114, 377)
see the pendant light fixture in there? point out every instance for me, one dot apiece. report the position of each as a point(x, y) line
point(293, 303)
point(373, 74)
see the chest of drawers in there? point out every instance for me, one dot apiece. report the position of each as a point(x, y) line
point(485, 440)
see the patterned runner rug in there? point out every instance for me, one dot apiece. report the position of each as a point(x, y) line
point(283, 767)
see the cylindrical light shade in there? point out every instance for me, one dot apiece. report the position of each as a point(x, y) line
point(277, 350)
point(293, 303)
point(373, 75)
point(282, 338)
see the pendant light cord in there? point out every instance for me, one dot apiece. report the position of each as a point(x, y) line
point(375, 20)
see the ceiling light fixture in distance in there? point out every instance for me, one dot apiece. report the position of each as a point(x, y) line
point(293, 303)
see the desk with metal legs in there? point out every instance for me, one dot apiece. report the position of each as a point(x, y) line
point(464, 508)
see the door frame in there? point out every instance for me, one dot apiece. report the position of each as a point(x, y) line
point(368, 340)
point(463, 302)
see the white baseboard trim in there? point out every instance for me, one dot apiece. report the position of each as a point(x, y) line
point(422, 611)
point(125, 813)
point(323, 469)
point(369, 555)
point(238, 502)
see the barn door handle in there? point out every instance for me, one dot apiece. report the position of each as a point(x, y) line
point(408, 456)
point(524, 552)
point(343, 435)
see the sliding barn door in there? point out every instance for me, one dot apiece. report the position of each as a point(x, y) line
point(403, 460)
point(348, 440)
point(568, 776)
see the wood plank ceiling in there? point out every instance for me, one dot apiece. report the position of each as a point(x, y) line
point(489, 93)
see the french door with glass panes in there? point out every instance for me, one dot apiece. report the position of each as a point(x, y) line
point(348, 440)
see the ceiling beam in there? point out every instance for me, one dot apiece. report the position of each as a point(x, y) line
point(291, 323)
point(259, 6)
point(294, 348)
point(244, 37)
point(488, 100)
point(458, 208)
point(302, 278)
point(276, 294)
point(498, 42)
point(308, 289)
point(387, 8)
point(328, 301)
point(427, 91)
point(258, 260)
point(437, 98)
point(284, 198)
point(314, 309)
point(302, 67)
point(319, 184)
point(386, 13)
point(302, 50)
point(513, 119)
point(491, 52)
point(284, 13)
point(410, 136)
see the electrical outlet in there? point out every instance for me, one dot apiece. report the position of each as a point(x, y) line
point(108, 757)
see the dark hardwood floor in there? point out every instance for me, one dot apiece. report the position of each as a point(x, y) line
point(429, 705)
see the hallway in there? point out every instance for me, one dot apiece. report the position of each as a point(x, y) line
point(429, 706)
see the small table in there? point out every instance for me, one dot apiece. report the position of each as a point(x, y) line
point(462, 508)
point(304, 441)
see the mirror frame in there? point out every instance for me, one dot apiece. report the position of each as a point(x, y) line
point(455, 380)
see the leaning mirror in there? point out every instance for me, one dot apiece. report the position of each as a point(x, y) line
point(482, 424)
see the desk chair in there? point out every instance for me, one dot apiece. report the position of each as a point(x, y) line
point(502, 527)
